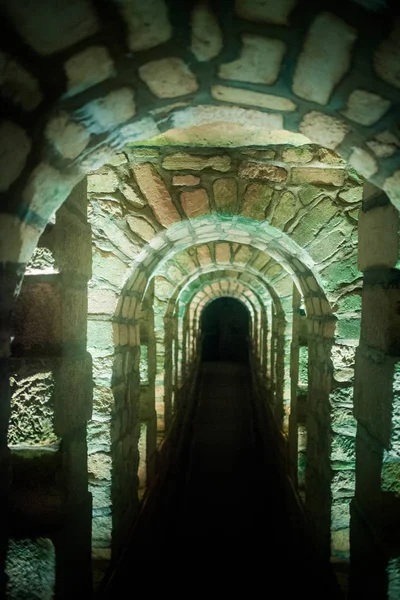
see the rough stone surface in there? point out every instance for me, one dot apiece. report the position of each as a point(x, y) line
point(239, 96)
point(17, 84)
point(32, 409)
point(365, 107)
point(323, 129)
point(265, 11)
point(318, 176)
point(195, 203)
point(106, 113)
point(99, 467)
point(256, 200)
point(384, 144)
point(141, 226)
point(285, 210)
point(325, 58)
point(132, 197)
point(248, 170)
point(363, 162)
point(225, 195)
point(102, 301)
point(206, 33)
point(87, 68)
point(105, 180)
point(15, 146)
point(148, 23)
point(53, 26)
point(183, 160)
point(168, 78)
point(251, 66)
point(31, 569)
point(185, 180)
point(109, 269)
point(298, 155)
point(392, 188)
point(387, 57)
point(156, 193)
point(68, 137)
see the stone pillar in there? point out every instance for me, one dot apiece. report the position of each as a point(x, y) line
point(294, 379)
point(318, 474)
point(375, 509)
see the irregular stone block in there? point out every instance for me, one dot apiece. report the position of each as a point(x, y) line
point(302, 154)
point(363, 162)
point(103, 181)
point(99, 467)
point(87, 68)
point(256, 200)
point(156, 193)
point(384, 144)
point(148, 23)
point(325, 58)
point(251, 66)
point(248, 170)
point(183, 160)
point(222, 253)
point(53, 26)
point(365, 107)
point(195, 203)
point(239, 96)
point(168, 78)
point(285, 210)
point(207, 40)
point(265, 11)
point(323, 129)
point(18, 85)
point(106, 113)
point(387, 57)
point(317, 176)
point(15, 147)
point(185, 180)
point(68, 137)
point(141, 227)
point(225, 195)
point(132, 197)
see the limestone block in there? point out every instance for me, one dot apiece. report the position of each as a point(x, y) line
point(100, 338)
point(329, 157)
point(352, 195)
point(68, 137)
point(183, 160)
point(285, 210)
point(53, 26)
point(168, 78)
point(72, 394)
point(378, 238)
point(249, 98)
point(363, 162)
point(365, 107)
point(318, 176)
point(132, 197)
point(185, 180)
point(384, 144)
point(32, 406)
point(141, 227)
point(108, 112)
point(225, 195)
point(87, 68)
point(250, 170)
point(15, 147)
point(207, 40)
point(18, 85)
point(99, 467)
point(148, 23)
point(387, 57)
point(195, 203)
point(392, 188)
point(323, 129)
point(265, 11)
point(251, 66)
point(222, 253)
point(156, 193)
point(103, 181)
point(301, 154)
point(203, 255)
point(325, 58)
point(101, 301)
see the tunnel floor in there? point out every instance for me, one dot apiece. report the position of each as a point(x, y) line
point(222, 523)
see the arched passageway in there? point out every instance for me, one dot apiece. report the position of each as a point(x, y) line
point(225, 329)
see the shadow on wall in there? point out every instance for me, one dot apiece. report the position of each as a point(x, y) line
point(225, 330)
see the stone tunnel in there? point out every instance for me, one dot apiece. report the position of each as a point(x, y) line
point(159, 159)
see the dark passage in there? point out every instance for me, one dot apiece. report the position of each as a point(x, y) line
point(222, 520)
point(225, 326)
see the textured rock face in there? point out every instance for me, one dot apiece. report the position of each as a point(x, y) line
point(195, 203)
point(156, 193)
point(35, 558)
point(168, 78)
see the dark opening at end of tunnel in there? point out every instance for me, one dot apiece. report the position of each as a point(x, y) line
point(225, 329)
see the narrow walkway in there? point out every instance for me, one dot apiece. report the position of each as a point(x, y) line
point(222, 525)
